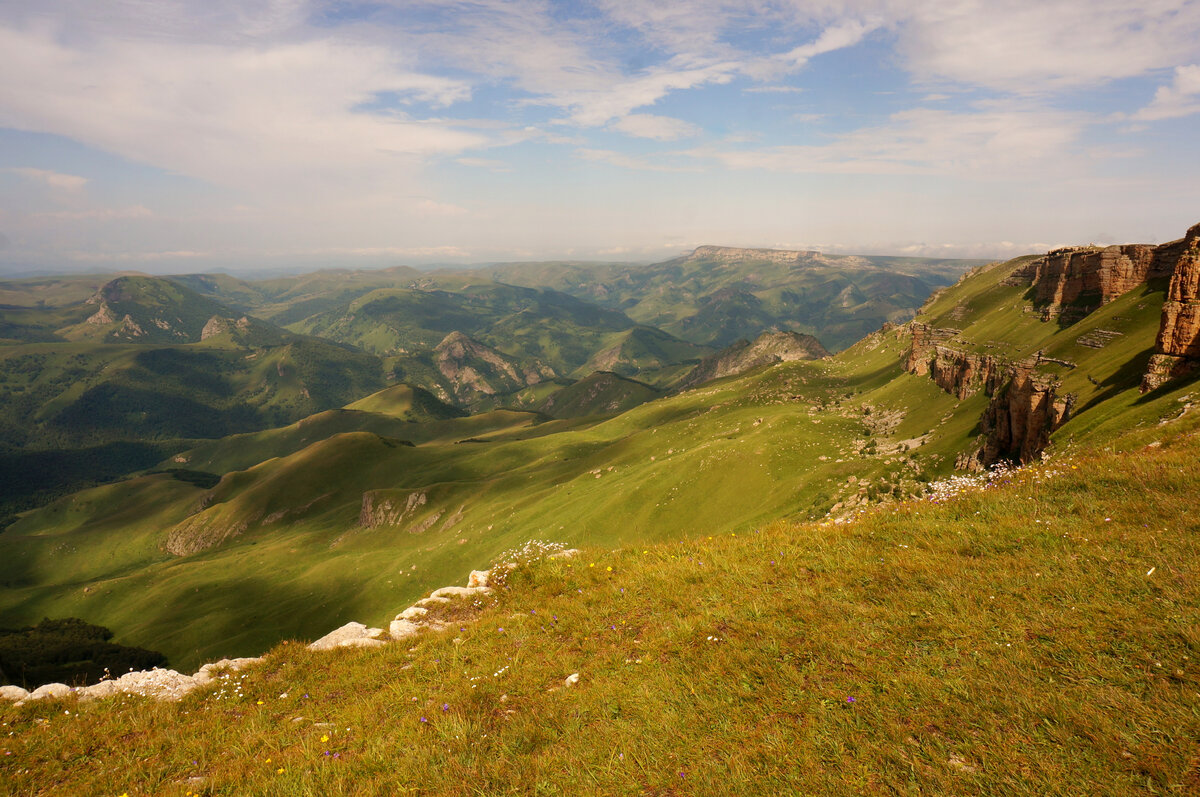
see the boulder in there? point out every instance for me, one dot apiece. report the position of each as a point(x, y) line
point(160, 684)
point(478, 578)
point(401, 628)
point(97, 691)
point(50, 691)
point(412, 613)
point(13, 693)
point(458, 592)
point(351, 635)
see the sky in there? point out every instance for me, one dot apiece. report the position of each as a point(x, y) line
point(191, 135)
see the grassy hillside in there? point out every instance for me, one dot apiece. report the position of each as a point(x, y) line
point(346, 521)
point(1038, 638)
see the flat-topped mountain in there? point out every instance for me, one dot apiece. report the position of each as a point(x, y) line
point(733, 254)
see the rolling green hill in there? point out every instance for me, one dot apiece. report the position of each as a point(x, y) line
point(347, 515)
point(1037, 637)
point(716, 295)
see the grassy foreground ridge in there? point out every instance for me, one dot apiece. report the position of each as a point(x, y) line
point(1037, 637)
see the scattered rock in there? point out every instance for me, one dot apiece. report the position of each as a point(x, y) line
point(50, 691)
point(572, 679)
point(458, 592)
point(13, 693)
point(478, 578)
point(351, 635)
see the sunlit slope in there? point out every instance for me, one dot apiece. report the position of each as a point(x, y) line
point(343, 522)
point(406, 403)
point(324, 529)
point(1036, 638)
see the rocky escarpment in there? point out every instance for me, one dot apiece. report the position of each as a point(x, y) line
point(1177, 349)
point(770, 347)
point(1025, 406)
point(1066, 284)
point(1070, 282)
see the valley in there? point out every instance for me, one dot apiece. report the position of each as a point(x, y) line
point(349, 511)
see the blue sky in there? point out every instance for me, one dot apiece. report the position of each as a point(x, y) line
point(180, 135)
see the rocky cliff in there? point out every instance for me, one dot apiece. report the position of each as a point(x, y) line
point(1177, 349)
point(1025, 407)
point(769, 347)
point(472, 369)
point(1066, 284)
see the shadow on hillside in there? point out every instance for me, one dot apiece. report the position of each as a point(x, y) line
point(247, 617)
point(1127, 376)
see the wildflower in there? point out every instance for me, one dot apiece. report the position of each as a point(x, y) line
point(324, 737)
point(610, 569)
point(851, 700)
point(279, 771)
point(424, 720)
point(445, 707)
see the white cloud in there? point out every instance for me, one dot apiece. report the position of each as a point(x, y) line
point(836, 37)
point(659, 128)
point(246, 116)
point(56, 180)
point(100, 214)
point(1181, 98)
point(1036, 47)
point(490, 164)
point(773, 90)
point(990, 142)
point(628, 161)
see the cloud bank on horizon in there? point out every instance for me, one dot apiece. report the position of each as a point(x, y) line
point(180, 134)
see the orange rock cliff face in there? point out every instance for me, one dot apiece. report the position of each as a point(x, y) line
point(1178, 345)
point(1066, 284)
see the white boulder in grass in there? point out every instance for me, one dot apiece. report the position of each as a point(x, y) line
point(571, 679)
point(458, 592)
point(97, 691)
point(48, 691)
point(478, 578)
point(13, 693)
point(351, 635)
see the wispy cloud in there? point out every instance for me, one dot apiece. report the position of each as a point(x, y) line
point(61, 182)
point(989, 143)
point(97, 214)
point(659, 128)
point(629, 161)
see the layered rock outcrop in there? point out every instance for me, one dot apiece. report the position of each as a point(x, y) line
point(1022, 415)
point(1025, 407)
point(1177, 348)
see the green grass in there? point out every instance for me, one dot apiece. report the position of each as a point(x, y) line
point(793, 440)
point(1036, 638)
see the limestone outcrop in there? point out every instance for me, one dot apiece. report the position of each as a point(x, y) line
point(1022, 415)
point(1025, 406)
point(1177, 349)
